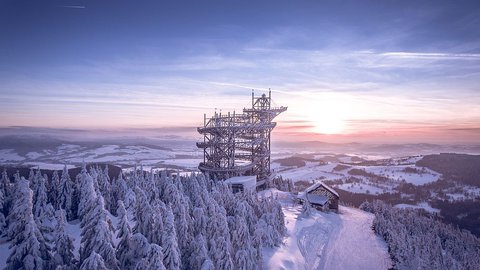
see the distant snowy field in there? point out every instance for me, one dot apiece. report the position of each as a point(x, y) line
point(185, 157)
point(395, 171)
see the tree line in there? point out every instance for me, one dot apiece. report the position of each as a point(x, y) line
point(138, 220)
point(419, 241)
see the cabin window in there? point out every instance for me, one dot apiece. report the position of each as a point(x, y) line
point(237, 188)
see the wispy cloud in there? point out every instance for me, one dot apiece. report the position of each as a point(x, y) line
point(73, 6)
point(435, 56)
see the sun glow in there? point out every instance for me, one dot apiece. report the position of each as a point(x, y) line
point(329, 125)
point(327, 113)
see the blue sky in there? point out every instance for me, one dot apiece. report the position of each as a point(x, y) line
point(348, 70)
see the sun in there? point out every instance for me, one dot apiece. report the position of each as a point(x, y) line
point(329, 125)
point(324, 113)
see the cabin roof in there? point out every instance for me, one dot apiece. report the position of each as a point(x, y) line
point(317, 199)
point(248, 182)
point(317, 185)
point(241, 179)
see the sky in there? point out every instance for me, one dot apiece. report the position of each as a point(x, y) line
point(349, 71)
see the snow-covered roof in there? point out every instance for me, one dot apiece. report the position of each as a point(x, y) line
point(317, 199)
point(301, 195)
point(248, 182)
point(317, 185)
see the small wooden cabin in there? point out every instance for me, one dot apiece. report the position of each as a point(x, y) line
point(321, 196)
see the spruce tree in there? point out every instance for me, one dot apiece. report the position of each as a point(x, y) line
point(222, 257)
point(124, 233)
point(43, 212)
point(199, 252)
point(139, 248)
point(169, 242)
point(54, 190)
point(119, 192)
point(97, 234)
point(65, 194)
point(63, 249)
point(29, 250)
point(94, 261)
point(2, 217)
point(153, 260)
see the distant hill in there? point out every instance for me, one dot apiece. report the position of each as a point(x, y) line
point(458, 167)
point(113, 171)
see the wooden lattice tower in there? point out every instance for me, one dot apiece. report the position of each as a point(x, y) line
point(239, 144)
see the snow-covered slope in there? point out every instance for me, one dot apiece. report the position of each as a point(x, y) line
point(353, 245)
point(328, 241)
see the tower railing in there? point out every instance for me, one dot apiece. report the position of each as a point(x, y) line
point(239, 144)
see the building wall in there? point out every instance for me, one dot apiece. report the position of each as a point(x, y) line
point(332, 199)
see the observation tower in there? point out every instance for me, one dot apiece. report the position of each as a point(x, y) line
point(239, 144)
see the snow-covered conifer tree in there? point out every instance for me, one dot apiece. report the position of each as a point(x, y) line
point(222, 257)
point(21, 209)
point(199, 252)
point(207, 265)
point(54, 190)
point(29, 250)
point(65, 194)
point(5, 183)
point(158, 208)
point(243, 261)
point(2, 216)
point(88, 194)
point(31, 177)
point(153, 260)
point(94, 261)
point(124, 233)
point(43, 212)
point(97, 233)
point(139, 248)
point(63, 249)
point(104, 186)
point(169, 242)
point(199, 221)
point(118, 193)
point(130, 199)
point(181, 225)
point(143, 215)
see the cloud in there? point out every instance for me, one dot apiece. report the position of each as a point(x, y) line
point(434, 56)
point(74, 6)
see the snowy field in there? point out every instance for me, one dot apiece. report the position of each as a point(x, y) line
point(9, 155)
point(378, 179)
point(126, 156)
point(361, 188)
point(328, 241)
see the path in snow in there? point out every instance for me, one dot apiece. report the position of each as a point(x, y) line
point(354, 245)
point(328, 241)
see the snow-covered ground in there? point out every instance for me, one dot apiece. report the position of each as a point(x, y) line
point(328, 241)
point(311, 171)
point(9, 155)
point(126, 156)
point(396, 172)
point(361, 188)
point(382, 176)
